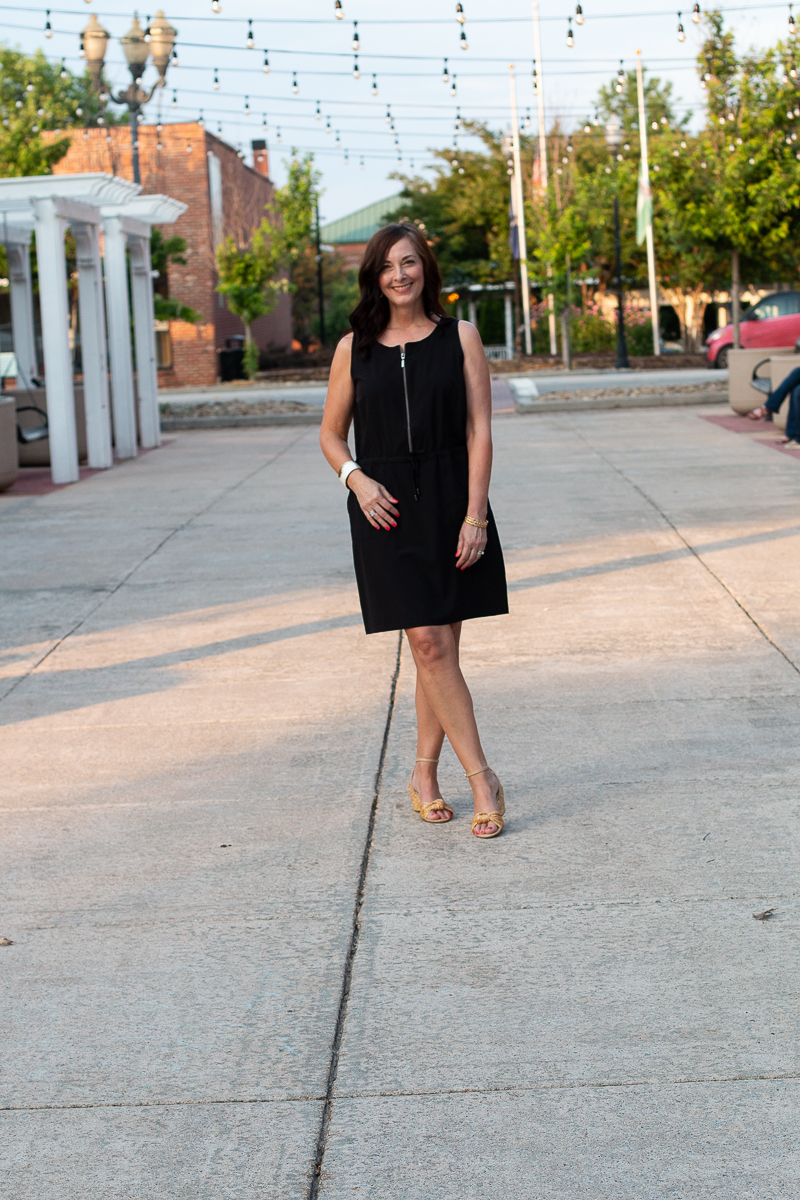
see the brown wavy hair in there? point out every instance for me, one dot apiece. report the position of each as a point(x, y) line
point(370, 316)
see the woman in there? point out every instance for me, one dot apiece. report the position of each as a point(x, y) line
point(417, 384)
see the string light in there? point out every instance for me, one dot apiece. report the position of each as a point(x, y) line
point(356, 72)
point(216, 80)
point(460, 14)
point(295, 85)
point(175, 56)
point(388, 115)
point(64, 71)
point(338, 11)
point(535, 79)
point(696, 14)
point(48, 29)
point(458, 118)
point(200, 120)
point(247, 106)
point(278, 137)
point(445, 74)
point(374, 85)
point(453, 91)
point(338, 139)
point(570, 38)
point(527, 122)
point(266, 63)
point(356, 40)
point(264, 123)
point(174, 99)
point(681, 34)
point(251, 41)
point(578, 15)
point(216, 6)
point(347, 156)
point(463, 41)
point(318, 113)
point(620, 79)
point(361, 164)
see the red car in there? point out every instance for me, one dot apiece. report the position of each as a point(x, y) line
point(774, 321)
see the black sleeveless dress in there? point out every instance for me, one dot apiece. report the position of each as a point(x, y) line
point(410, 430)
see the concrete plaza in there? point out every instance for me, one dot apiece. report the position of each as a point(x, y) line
point(197, 733)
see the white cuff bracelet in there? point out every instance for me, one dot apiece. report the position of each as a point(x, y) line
point(347, 469)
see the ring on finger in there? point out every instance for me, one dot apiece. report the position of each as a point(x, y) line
point(372, 512)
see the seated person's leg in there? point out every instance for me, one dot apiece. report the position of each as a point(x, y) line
point(793, 418)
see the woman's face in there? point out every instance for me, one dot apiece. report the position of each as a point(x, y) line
point(402, 279)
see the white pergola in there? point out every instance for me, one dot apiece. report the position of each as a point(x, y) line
point(91, 206)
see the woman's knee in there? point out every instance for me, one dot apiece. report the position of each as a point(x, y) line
point(431, 645)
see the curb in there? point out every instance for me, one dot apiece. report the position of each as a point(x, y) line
point(171, 424)
point(588, 404)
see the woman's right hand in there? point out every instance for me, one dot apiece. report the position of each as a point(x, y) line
point(374, 500)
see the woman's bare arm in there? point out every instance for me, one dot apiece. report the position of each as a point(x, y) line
point(336, 421)
point(471, 540)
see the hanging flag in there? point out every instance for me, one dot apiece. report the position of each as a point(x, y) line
point(513, 228)
point(644, 207)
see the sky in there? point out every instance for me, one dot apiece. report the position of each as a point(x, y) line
point(403, 46)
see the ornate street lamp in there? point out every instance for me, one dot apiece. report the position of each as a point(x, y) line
point(613, 132)
point(137, 51)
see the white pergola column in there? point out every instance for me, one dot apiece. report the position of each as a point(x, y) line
point(509, 323)
point(17, 243)
point(93, 344)
point(119, 340)
point(145, 338)
point(51, 224)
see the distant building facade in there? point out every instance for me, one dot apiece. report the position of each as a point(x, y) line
point(351, 234)
point(225, 198)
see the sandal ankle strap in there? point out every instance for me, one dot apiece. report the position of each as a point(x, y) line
point(416, 760)
point(480, 771)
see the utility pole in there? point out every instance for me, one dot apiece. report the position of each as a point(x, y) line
point(320, 295)
point(519, 205)
point(537, 43)
point(651, 254)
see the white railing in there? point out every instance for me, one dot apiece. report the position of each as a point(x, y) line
point(496, 352)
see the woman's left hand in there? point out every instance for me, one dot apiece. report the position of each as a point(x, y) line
point(471, 545)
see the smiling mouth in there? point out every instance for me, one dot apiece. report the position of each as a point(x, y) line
point(401, 287)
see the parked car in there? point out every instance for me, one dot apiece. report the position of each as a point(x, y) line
point(774, 321)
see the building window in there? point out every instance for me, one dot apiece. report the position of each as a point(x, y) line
point(163, 345)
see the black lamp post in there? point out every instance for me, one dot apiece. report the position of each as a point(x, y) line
point(138, 49)
point(613, 132)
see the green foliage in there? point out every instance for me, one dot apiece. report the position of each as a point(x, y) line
point(248, 278)
point(168, 309)
point(163, 251)
point(28, 83)
point(294, 204)
point(250, 359)
point(340, 295)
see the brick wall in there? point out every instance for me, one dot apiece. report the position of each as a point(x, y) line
point(174, 162)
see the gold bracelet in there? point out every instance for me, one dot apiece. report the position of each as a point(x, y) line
point(474, 521)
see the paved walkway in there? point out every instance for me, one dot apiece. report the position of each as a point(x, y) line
point(195, 731)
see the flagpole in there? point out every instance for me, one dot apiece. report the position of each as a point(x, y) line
point(537, 47)
point(651, 254)
point(519, 205)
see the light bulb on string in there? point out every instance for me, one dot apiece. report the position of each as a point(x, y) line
point(535, 79)
point(48, 29)
point(374, 85)
point(453, 89)
point(388, 115)
point(696, 14)
point(295, 84)
point(347, 156)
point(247, 106)
point(460, 14)
point(527, 122)
point(463, 41)
point(458, 118)
point(216, 80)
point(356, 40)
point(620, 78)
point(264, 123)
point(338, 11)
point(445, 74)
point(219, 128)
point(361, 164)
point(64, 71)
point(681, 34)
point(175, 56)
point(251, 41)
point(411, 164)
point(338, 139)
point(216, 6)
point(356, 72)
point(200, 120)
point(318, 113)
point(278, 137)
point(570, 38)
point(266, 63)
point(792, 24)
point(328, 125)
point(174, 99)
point(578, 15)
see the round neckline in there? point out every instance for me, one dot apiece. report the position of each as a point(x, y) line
point(416, 341)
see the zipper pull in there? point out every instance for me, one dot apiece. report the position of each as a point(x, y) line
point(402, 360)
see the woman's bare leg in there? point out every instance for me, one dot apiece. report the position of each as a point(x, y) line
point(430, 737)
point(435, 651)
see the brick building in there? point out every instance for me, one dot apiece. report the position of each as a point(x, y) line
point(225, 198)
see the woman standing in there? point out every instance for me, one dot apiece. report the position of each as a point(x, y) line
point(417, 384)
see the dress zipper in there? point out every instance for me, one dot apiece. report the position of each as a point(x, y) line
point(415, 464)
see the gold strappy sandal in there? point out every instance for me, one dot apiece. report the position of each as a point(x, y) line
point(496, 817)
point(432, 805)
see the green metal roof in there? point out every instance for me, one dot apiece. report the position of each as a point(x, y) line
point(360, 226)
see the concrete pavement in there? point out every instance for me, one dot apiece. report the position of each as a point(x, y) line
point(195, 730)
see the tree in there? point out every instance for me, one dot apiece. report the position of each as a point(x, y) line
point(36, 96)
point(250, 281)
point(164, 251)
